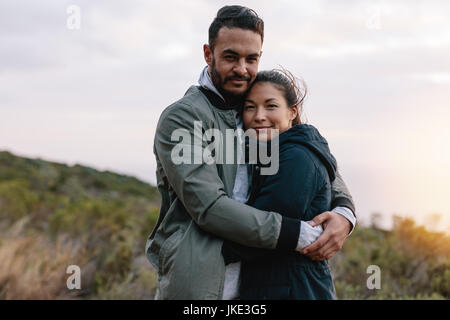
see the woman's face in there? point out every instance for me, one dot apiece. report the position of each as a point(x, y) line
point(265, 108)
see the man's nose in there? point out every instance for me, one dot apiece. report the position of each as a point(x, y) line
point(240, 68)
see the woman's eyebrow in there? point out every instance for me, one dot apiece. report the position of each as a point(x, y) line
point(270, 99)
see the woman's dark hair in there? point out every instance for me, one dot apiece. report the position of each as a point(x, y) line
point(235, 17)
point(294, 89)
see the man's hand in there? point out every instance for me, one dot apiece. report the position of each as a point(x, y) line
point(336, 229)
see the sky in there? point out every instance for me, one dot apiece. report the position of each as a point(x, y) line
point(85, 82)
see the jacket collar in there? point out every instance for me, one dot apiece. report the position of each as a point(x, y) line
point(214, 99)
point(211, 92)
point(205, 81)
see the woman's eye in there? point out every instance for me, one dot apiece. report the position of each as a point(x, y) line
point(248, 107)
point(271, 106)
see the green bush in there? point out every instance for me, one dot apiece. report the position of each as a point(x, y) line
point(414, 263)
point(16, 199)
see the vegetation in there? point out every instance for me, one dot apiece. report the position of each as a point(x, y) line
point(53, 215)
point(414, 263)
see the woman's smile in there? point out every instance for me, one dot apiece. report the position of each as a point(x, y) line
point(265, 109)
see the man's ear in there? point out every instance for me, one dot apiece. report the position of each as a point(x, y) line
point(208, 54)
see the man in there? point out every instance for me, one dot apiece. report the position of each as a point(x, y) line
point(202, 203)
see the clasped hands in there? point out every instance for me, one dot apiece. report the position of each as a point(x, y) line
point(335, 231)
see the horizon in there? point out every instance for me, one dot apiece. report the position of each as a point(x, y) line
point(378, 76)
point(375, 218)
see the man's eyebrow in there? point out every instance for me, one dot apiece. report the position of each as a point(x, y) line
point(230, 51)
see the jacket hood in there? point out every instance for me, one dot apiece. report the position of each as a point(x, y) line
point(307, 135)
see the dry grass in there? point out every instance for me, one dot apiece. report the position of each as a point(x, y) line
point(33, 267)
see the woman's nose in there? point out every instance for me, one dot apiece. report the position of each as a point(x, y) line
point(260, 115)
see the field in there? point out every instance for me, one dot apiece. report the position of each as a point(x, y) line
point(53, 216)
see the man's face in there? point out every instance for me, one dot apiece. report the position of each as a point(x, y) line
point(234, 62)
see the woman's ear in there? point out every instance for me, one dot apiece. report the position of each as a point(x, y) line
point(294, 112)
point(208, 54)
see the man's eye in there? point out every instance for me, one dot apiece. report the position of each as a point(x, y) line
point(229, 57)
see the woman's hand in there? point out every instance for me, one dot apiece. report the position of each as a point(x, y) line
point(336, 228)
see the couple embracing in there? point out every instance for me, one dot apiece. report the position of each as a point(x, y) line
point(228, 231)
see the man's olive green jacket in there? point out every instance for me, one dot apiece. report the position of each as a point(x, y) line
point(197, 211)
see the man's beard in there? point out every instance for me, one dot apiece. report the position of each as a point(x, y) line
point(230, 97)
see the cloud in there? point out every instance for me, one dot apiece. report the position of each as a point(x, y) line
point(435, 77)
point(378, 74)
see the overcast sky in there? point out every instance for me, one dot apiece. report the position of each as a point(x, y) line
point(378, 74)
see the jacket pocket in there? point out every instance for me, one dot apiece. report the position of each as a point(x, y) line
point(313, 282)
point(272, 292)
point(321, 271)
point(168, 252)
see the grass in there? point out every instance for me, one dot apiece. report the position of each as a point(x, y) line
point(53, 216)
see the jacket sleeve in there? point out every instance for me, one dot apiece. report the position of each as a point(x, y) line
point(201, 191)
point(340, 195)
point(291, 190)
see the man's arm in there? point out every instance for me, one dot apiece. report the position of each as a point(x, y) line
point(291, 190)
point(201, 191)
point(340, 195)
point(234, 252)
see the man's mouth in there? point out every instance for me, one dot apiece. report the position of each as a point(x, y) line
point(239, 80)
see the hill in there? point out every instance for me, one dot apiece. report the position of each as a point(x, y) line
point(53, 216)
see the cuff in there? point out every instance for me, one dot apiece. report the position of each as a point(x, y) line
point(289, 233)
point(308, 234)
point(343, 202)
point(348, 214)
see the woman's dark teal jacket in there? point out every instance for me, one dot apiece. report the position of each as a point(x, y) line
point(301, 189)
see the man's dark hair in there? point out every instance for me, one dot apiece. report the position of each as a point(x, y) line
point(235, 17)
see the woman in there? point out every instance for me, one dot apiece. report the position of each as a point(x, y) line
point(300, 189)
